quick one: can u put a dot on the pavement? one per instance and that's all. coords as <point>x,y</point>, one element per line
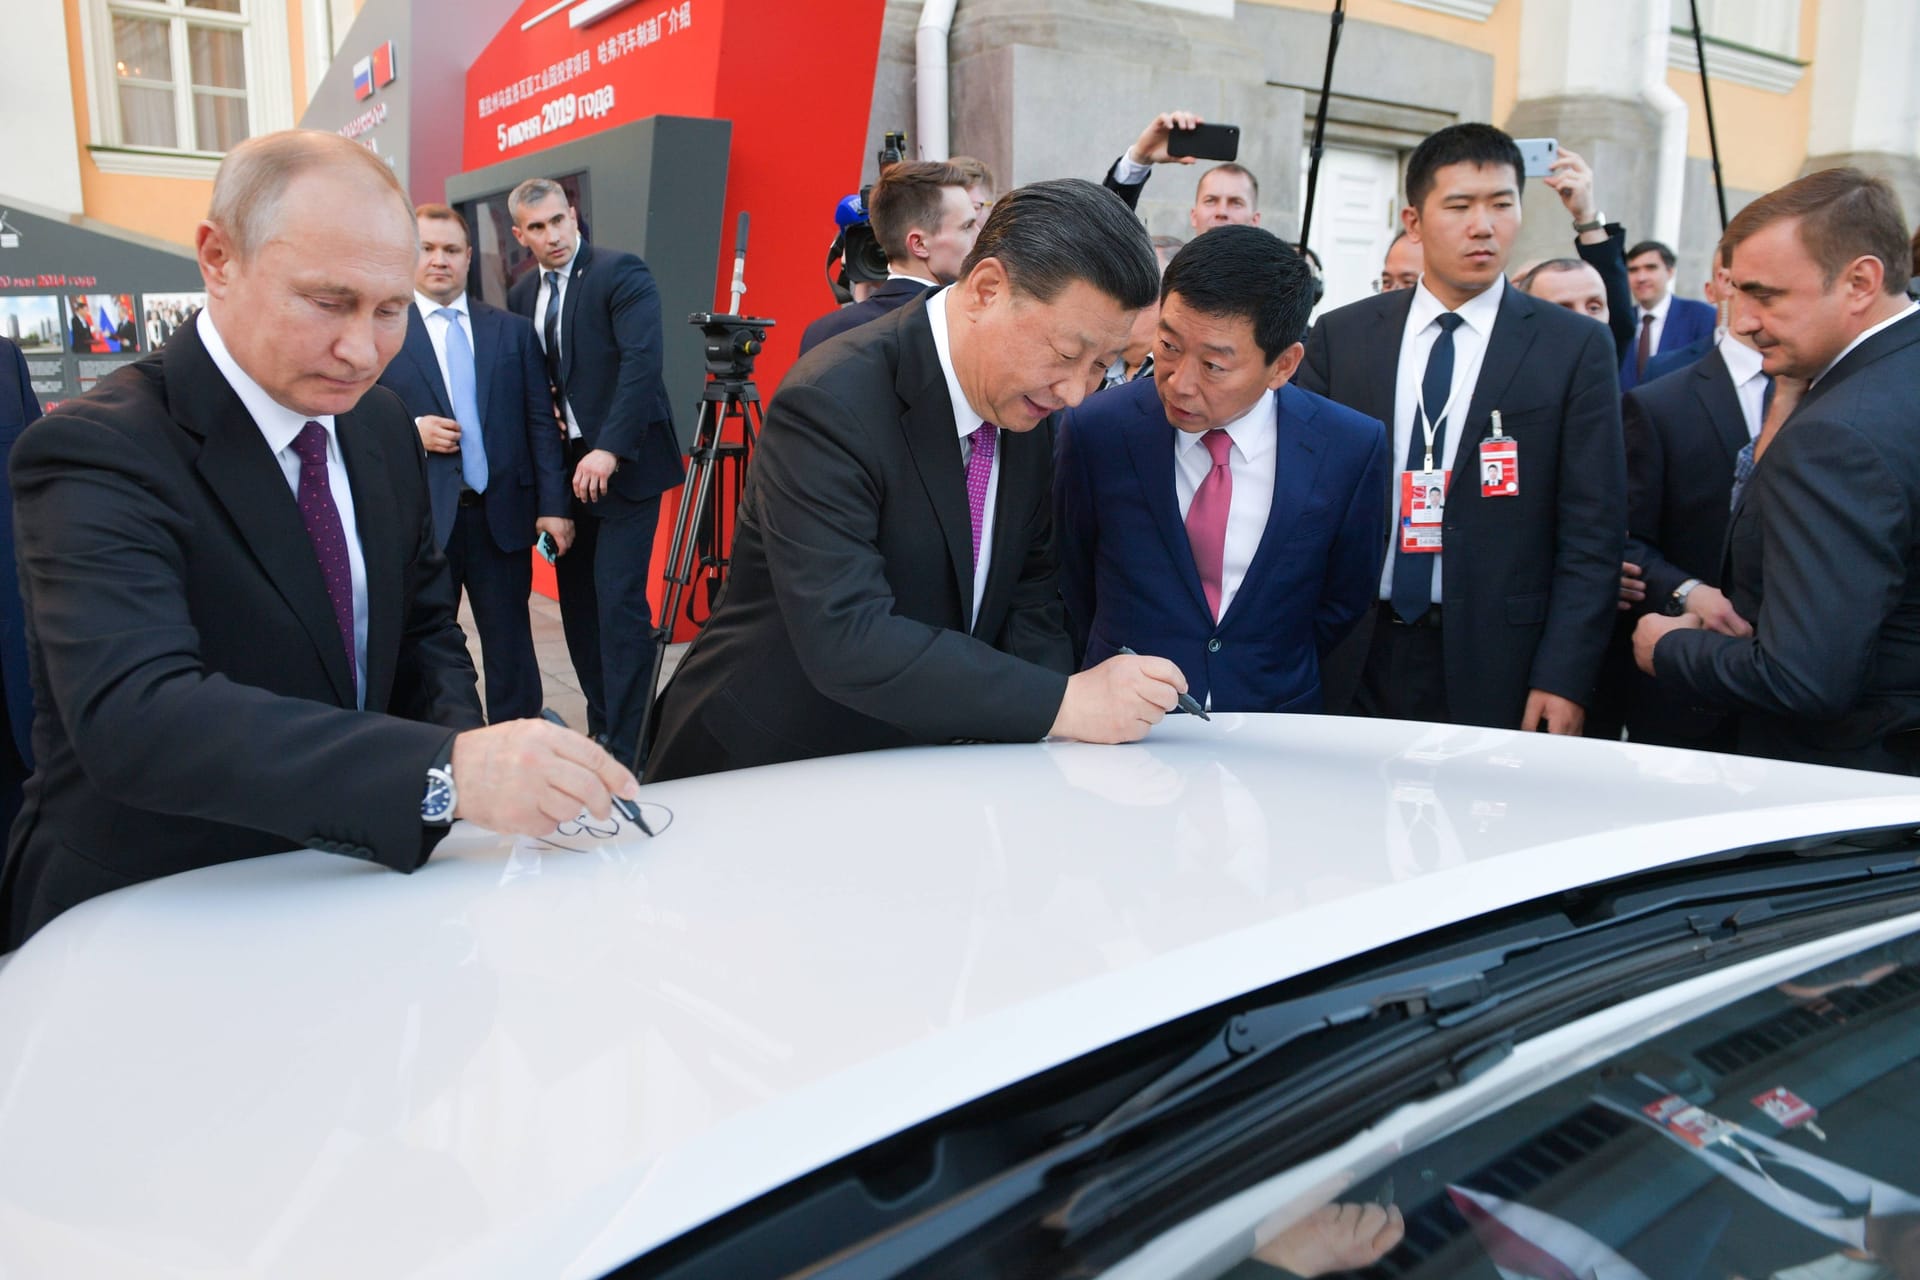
<point>558,684</point>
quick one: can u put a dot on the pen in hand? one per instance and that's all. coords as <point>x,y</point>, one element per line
<point>1188,703</point>
<point>628,809</point>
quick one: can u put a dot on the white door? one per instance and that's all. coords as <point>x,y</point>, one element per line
<point>1354,219</point>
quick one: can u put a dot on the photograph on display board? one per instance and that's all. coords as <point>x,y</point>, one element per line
<point>32,321</point>
<point>102,324</point>
<point>162,313</point>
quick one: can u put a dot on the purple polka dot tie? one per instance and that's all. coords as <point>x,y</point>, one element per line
<point>979,471</point>
<point>329,539</point>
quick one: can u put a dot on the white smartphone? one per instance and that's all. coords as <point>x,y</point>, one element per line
<point>1537,156</point>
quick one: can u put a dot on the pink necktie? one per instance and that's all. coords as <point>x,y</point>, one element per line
<point>1207,517</point>
<point>979,471</point>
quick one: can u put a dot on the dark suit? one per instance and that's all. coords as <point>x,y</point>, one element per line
<point>1609,259</point>
<point>844,624</point>
<point>1820,557</point>
<point>193,702</point>
<point>610,372</point>
<point>1667,362</point>
<point>890,296</point>
<point>1529,581</point>
<point>1684,432</point>
<point>486,536</point>
<point>1127,191</point>
<point>18,408</point>
<point>1127,570</point>
<point>1688,321</point>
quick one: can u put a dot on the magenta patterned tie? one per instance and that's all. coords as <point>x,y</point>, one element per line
<point>329,539</point>
<point>979,471</point>
<point>1207,517</point>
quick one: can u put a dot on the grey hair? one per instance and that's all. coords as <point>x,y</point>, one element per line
<point>1049,234</point>
<point>533,191</point>
<point>254,177</point>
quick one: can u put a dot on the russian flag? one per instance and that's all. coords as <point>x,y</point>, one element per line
<point>383,65</point>
<point>363,78</point>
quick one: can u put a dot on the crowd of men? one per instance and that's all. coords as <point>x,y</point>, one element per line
<point>1052,476</point>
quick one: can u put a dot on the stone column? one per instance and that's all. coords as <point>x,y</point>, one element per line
<point>1866,104</point>
<point>43,168</point>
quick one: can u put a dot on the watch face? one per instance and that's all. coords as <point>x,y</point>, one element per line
<point>437,804</point>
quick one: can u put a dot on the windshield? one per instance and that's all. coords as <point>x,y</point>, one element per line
<point>1776,1137</point>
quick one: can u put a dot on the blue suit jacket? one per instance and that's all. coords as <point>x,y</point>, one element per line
<point>18,408</point>
<point>526,462</point>
<point>1688,321</point>
<point>1127,572</point>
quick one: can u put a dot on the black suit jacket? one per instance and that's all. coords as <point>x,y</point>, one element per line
<point>19,408</point>
<point>1684,432</point>
<point>1530,581</point>
<point>890,296</point>
<point>611,365</point>
<point>1820,557</point>
<point>192,701</point>
<point>527,475</point>
<point>844,624</point>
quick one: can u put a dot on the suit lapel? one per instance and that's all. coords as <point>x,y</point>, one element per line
<point>1507,346</point>
<point>247,480</point>
<point>933,439</point>
<point>1296,469</point>
<point>1885,342</point>
<point>418,347</point>
<point>1713,385</point>
<point>375,516</point>
<point>576,276</point>
<point>1150,443</point>
<point>486,349</point>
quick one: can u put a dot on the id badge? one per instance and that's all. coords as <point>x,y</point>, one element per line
<point>1423,509</point>
<point>1499,467</point>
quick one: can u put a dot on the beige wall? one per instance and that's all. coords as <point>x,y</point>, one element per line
<point>1763,135</point>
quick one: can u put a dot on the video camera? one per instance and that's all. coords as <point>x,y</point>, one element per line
<point>855,248</point>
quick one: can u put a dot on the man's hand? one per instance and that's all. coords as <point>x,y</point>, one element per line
<point>1119,700</point>
<point>1151,146</point>
<point>591,476</point>
<point>439,435</point>
<point>1647,632</point>
<point>1572,181</point>
<point>526,777</point>
<point>1633,585</point>
<point>1716,612</point>
<point>561,529</point>
<point>1786,395</point>
<point>1554,713</point>
<point>1335,1237</point>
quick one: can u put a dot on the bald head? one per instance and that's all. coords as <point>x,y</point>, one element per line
<point>250,190</point>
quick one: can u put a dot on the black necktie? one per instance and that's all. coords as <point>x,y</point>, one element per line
<point>1412,592</point>
<point>552,326</point>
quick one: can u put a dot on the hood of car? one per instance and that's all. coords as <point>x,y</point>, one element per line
<point>546,1057</point>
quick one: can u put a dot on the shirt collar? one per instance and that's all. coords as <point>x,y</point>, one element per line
<point>428,306</point>
<point>1888,323</point>
<point>1659,309</point>
<point>1252,432</point>
<point>277,423</point>
<point>901,275</point>
<point>1478,312</point>
<point>964,418</point>
<point>1743,362</point>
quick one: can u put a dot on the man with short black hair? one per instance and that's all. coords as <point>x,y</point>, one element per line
<point>1495,610</point>
<point>1182,503</point>
<point>1823,539</point>
<point>923,219</point>
<point>1662,321</point>
<point>893,579</point>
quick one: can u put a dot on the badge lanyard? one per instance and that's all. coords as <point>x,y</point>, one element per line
<point>1428,425</point>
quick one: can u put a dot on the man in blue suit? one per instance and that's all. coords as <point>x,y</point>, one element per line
<point>1661,321</point>
<point>474,379</point>
<point>19,407</point>
<point>1213,514</point>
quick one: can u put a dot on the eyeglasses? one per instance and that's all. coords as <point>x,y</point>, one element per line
<point>1387,284</point>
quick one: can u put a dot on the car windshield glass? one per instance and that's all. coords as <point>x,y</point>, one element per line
<point>1778,1136</point>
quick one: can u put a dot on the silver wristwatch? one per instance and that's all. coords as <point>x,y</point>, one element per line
<point>1677,602</point>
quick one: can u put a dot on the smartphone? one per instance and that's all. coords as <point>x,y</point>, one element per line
<point>1206,142</point>
<point>549,549</point>
<point>1537,156</point>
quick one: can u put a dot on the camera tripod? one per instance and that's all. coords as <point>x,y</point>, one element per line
<point>710,498</point>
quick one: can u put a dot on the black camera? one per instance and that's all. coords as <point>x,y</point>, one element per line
<point>731,343</point>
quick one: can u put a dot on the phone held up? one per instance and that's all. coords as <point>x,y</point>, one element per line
<point>1205,142</point>
<point>1537,156</point>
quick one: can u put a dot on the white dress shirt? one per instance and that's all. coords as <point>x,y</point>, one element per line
<point>1469,350</point>
<point>967,422</point>
<point>1659,314</point>
<point>1251,462</point>
<point>437,332</point>
<point>1888,323</point>
<point>565,269</point>
<point>280,425</point>
<point>1749,381</point>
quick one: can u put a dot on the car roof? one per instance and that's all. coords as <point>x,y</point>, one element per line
<point>550,1059</point>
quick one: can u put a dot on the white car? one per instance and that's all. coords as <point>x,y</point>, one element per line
<point>1254,993</point>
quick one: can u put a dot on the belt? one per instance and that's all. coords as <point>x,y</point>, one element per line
<point>471,497</point>
<point>1431,618</point>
